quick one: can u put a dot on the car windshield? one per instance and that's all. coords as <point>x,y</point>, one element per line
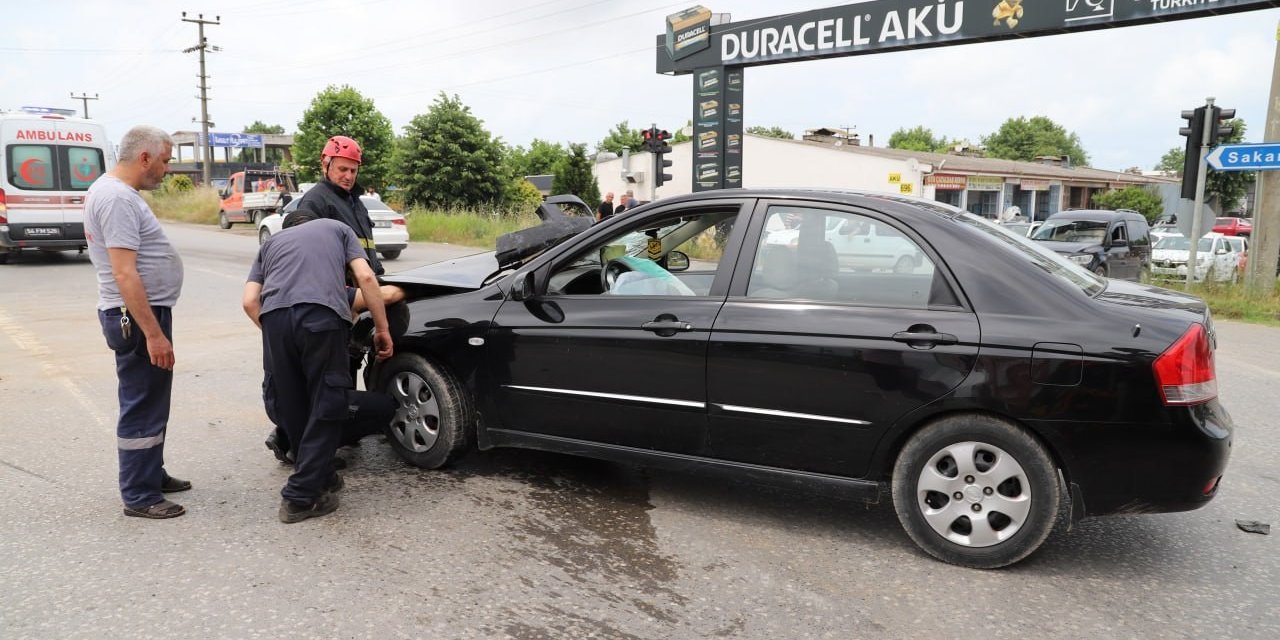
<point>1039,256</point>
<point>1072,231</point>
<point>1181,243</point>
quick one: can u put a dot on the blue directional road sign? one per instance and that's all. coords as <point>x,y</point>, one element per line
<point>235,140</point>
<point>1245,157</point>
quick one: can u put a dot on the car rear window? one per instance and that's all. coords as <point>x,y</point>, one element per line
<point>1039,256</point>
<point>31,167</point>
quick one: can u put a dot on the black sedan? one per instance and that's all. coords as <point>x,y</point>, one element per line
<point>997,389</point>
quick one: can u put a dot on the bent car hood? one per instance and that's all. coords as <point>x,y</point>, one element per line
<point>1070,247</point>
<point>466,273</point>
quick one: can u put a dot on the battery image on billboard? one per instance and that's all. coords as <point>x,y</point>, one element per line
<point>708,171</point>
<point>707,140</point>
<point>708,109</point>
<point>733,172</point>
<point>733,142</point>
<point>688,31</point>
<point>734,109</point>
<point>709,80</point>
<point>735,82</point>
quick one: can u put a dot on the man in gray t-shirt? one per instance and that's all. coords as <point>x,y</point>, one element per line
<point>139,279</point>
<point>296,293</point>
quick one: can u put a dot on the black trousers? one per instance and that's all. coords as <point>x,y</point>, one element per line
<point>368,413</point>
<point>304,349</point>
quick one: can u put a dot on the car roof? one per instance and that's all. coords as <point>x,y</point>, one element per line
<point>1098,215</point>
<point>856,197</point>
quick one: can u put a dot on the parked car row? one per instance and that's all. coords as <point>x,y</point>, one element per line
<point>1218,257</point>
<point>997,389</point>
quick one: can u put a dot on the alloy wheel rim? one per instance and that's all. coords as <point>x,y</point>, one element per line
<point>974,494</point>
<point>416,424</point>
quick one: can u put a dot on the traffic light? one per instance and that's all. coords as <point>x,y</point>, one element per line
<point>1221,130</point>
<point>1194,131</point>
<point>655,142</point>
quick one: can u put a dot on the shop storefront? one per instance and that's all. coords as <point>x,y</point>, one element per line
<point>947,187</point>
<point>983,195</point>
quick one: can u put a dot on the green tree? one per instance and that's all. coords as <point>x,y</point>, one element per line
<point>621,137</point>
<point>539,159</point>
<point>573,175</point>
<point>1230,186</point>
<point>917,138</point>
<point>1172,161</point>
<point>1026,139</point>
<point>272,155</point>
<point>1140,199</point>
<point>771,132</point>
<point>343,111</point>
<point>679,135</point>
<point>447,159</point>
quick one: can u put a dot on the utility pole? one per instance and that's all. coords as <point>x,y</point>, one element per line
<point>1202,170</point>
<point>85,98</point>
<point>1265,249</point>
<point>201,45</point>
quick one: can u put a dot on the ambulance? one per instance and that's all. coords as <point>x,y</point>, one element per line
<point>48,159</point>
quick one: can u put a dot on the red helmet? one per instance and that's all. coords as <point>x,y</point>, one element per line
<point>342,147</point>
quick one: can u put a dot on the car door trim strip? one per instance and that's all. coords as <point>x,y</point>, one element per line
<point>789,414</point>
<point>612,396</point>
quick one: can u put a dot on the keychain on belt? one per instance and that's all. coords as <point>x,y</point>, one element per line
<point>126,325</point>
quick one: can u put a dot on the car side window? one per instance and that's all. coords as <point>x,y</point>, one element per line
<point>1117,233</point>
<point>1138,232</point>
<point>838,256</point>
<point>674,255</point>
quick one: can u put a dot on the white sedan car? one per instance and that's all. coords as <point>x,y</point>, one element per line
<point>1216,255</point>
<point>390,232</point>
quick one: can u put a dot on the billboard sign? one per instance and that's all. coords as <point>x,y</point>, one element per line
<point>236,140</point>
<point>881,26</point>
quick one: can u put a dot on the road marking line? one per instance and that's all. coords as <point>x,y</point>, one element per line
<point>30,343</point>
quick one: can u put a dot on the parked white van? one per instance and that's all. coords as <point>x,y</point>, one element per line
<point>48,159</point>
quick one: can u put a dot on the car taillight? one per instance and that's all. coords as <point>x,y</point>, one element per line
<point>4,209</point>
<point>1185,370</point>
<point>399,221</point>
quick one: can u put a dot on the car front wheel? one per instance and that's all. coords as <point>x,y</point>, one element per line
<point>223,222</point>
<point>264,234</point>
<point>977,491</point>
<point>432,418</point>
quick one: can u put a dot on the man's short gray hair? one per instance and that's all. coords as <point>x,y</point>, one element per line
<point>143,138</point>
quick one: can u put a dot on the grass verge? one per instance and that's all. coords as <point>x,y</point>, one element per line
<point>1233,301</point>
<point>199,206</point>
<point>465,227</point>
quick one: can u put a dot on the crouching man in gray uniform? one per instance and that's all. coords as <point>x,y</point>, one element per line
<point>296,293</point>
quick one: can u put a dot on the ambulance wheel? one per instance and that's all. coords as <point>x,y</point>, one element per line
<point>4,256</point>
<point>432,421</point>
<point>223,222</point>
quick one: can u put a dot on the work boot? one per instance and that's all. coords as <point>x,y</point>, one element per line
<point>292,512</point>
<point>273,443</point>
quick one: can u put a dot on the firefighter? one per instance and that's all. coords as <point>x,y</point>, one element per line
<point>338,196</point>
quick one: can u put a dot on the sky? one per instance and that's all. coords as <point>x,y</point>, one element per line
<point>569,70</point>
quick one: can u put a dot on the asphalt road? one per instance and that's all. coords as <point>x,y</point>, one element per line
<point>514,544</point>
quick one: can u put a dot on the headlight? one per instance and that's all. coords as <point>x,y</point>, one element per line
<point>1082,259</point>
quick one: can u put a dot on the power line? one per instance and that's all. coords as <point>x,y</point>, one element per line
<point>85,98</point>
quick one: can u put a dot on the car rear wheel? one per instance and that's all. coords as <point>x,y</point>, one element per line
<point>223,222</point>
<point>431,425</point>
<point>977,491</point>
<point>391,255</point>
<point>264,234</point>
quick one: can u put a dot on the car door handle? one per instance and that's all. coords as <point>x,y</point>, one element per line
<point>666,326</point>
<point>924,338</point>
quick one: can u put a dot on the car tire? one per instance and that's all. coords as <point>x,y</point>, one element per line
<point>255,217</point>
<point>432,423</point>
<point>905,264</point>
<point>1100,271</point>
<point>1000,471</point>
<point>4,256</point>
<point>264,234</point>
<point>391,255</point>
<point>223,222</point>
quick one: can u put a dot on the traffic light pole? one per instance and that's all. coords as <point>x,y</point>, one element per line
<point>1264,249</point>
<point>1197,213</point>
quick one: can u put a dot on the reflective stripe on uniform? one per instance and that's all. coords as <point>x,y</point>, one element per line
<point>367,243</point>
<point>134,444</point>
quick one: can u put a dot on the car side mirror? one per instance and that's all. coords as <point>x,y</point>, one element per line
<point>677,261</point>
<point>524,286</point>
